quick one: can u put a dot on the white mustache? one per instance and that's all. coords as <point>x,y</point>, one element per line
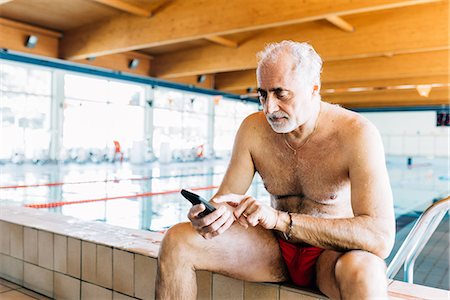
<point>277,115</point>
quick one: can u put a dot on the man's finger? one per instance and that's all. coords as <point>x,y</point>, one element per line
<point>242,207</point>
<point>195,210</point>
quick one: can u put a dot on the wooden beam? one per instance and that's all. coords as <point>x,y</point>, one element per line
<point>30,28</point>
<point>340,23</point>
<point>194,19</point>
<point>368,41</point>
<point>14,34</point>
<point>208,83</point>
<point>126,7</point>
<point>396,69</point>
<point>390,98</point>
<point>222,41</point>
<point>120,62</point>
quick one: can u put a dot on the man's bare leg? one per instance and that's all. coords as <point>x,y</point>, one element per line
<point>249,254</point>
<point>352,275</point>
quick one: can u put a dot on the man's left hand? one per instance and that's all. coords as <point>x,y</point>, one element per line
<point>249,211</point>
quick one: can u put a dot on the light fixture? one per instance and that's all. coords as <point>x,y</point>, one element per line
<point>424,89</point>
<point>250,90</point>
<point>134,63</point>
<point>201,78</point>
<point>31,41</point>
<point>90,58</point>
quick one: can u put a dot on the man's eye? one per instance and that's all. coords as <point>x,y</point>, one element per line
<point>282,95</point>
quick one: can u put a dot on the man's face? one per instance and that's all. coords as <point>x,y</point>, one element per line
<point>285,97</point>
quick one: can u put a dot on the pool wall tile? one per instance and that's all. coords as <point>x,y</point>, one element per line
<point>38,279</point>
<point>30,242</point>
<point>257,291</point>
<point>11,268</point>
<point>91,291</point>
<point>204,285</point>
<point>104,266</point>
<point>66,287</point>
<point>88,261</point>
<point>74,257</point>
<point>60,253</point>
<point>4,237</point>
<point>45,249</point>
<point>16,241</point>
<point>144,276</point>
<point>123,272</point>
<point>227,288</point>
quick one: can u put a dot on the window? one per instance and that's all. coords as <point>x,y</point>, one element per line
<point>25,112</point>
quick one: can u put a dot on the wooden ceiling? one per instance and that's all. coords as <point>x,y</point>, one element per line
<point>375,52</point>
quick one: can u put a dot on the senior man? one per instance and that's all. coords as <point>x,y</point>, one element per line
<point>331,219</point>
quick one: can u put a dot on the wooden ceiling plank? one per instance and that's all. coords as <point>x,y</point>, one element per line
<point>329,43</point>
<point>195,19</point>
<point>31,28</point>
<point>340,23</point>
<point>126,7</point>
<point>390,98</point>
<point>405,68</point>
<point>222,41</point>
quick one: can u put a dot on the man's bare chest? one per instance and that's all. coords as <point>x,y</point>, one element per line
<point>318,174</point>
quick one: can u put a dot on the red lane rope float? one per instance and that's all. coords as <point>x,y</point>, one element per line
<point>62,203</point>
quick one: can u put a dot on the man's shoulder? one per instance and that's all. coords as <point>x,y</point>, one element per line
<point>254,121</point>
<point>352,125</point>
<point>353,121</point>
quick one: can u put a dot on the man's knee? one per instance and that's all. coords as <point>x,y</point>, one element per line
<point>176,241</point>
<point>359,266</point>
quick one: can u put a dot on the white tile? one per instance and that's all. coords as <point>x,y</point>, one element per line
<point>204,285</point>
<point>123,272</point>
<point>60,253</point>
<point>66,287</point>
<point>257,291</point>
<point>11,268</point>
<point>118,296</point>
<point>88,261</point>
<point>104,266</point>
<point>45,249</point>
<point>93,292</point>
<point>74,257</point>
<point>144,276</point>
<point>227,288</point>
<point>4,237</point>
<point>16,241</point>
<point>30,240</point>
<point>38,279</point>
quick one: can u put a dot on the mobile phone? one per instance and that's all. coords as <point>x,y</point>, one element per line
<point>196,199</point>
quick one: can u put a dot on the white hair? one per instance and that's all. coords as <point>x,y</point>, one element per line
<point>308,63</point>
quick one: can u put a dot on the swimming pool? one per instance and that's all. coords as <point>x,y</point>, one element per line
<point>146,196</point>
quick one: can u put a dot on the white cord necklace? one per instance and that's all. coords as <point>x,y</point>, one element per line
<point>307,139</point>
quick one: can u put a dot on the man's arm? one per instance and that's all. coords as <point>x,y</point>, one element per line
<point>373,226</point>
<point>237,180</point>
<point>241,169</point>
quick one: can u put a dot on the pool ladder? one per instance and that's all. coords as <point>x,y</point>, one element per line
<point>417,238</point>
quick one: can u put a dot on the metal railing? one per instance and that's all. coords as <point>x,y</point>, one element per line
<point>417,238</point>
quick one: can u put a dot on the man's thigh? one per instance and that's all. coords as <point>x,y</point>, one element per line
<point>251,254</point>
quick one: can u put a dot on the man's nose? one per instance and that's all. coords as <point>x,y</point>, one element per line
<point>271,104</point>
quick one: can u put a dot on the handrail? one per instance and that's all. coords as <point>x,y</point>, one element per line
<point>417,238</point>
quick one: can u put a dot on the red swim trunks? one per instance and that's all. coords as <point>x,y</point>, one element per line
<point>301,262</point>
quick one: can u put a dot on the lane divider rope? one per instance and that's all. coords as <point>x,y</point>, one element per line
<point>104,181</point>
<point>62,203</point>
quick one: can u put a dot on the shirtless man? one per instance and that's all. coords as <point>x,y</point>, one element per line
<point>331,219</point>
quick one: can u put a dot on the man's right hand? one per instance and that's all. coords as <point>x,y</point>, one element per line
<point>212,224</point>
